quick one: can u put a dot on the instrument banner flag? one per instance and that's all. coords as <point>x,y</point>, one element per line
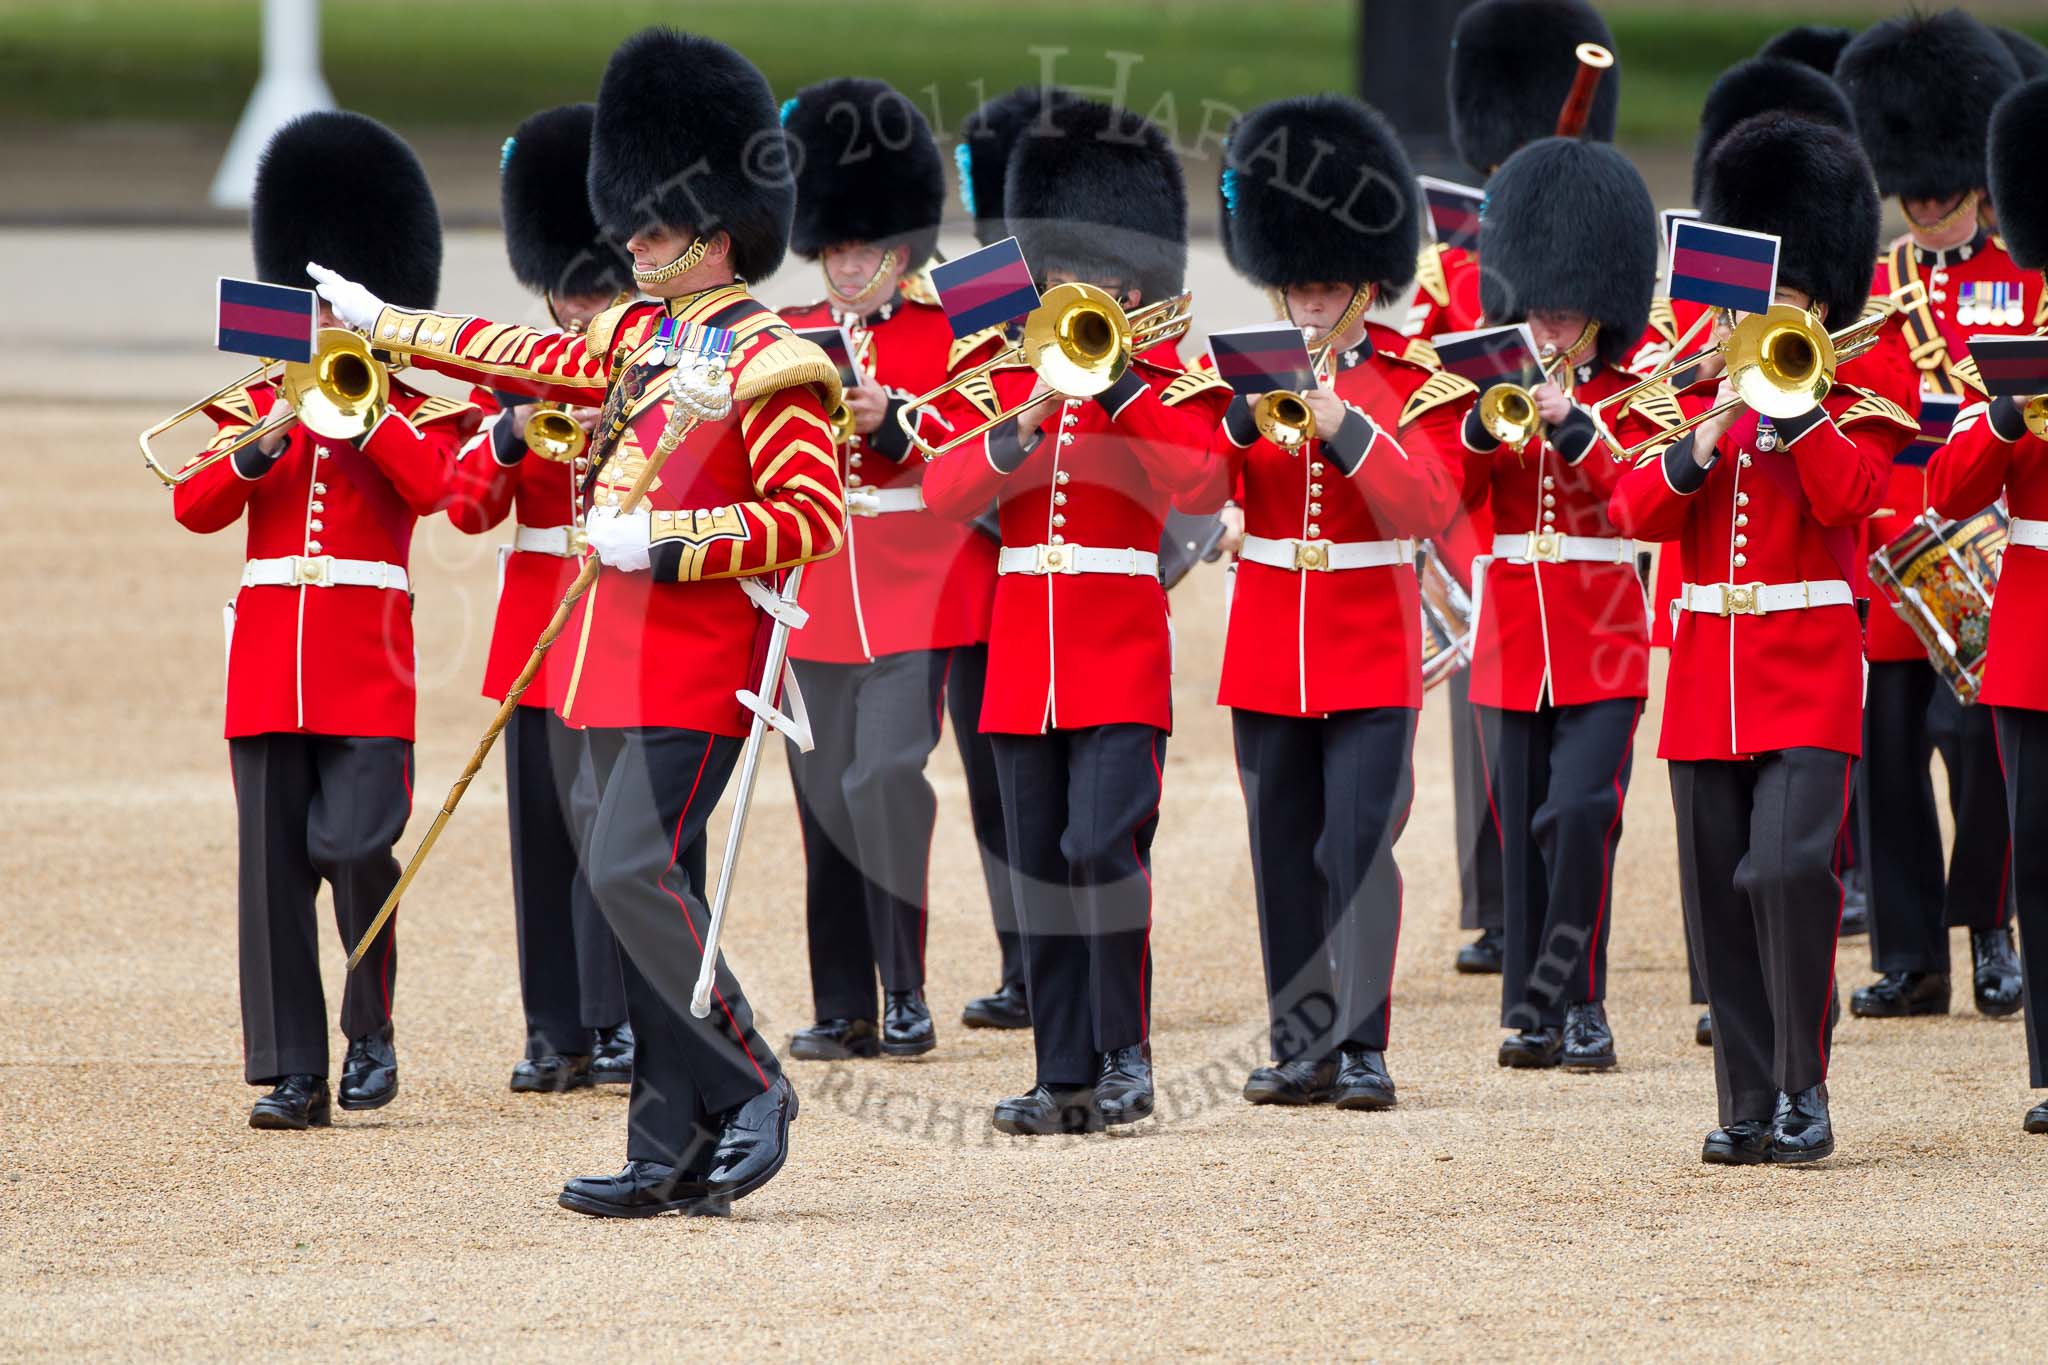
<point>1937,415</point>
<point>2011,367</point>
<point>834,343</point>
<point>1724,267</point>
<point>1492,355</point>
<point>986,288</point>
<point>268,321</point>
<point>1267,357</point>
<point>1671,218</point>
<point>1453,211</point>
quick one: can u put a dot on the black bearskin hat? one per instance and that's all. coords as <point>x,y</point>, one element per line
<point>687,137</point>
<point>1512,64</point>
<point>1317,188</point>
<point>2028,55</point>
<point>1568,226</point>
<point>1922,87</point>
<point>867,169</point>
<point>1816,45</point>
<point>550,236</point>
<point>1098,191</point>
<point>983,153</point>
<point>1828,227</point>
<point>2018,128</point>
<point>1758,86</point>
<point>345,191</point>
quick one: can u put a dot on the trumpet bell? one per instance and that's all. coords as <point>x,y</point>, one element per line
<point>1508,412</point>
<point>553,434</point>
<point>342,391</point>
<point>1781,362</point>
<point>842,424</point>
<point>1284,419</point>
<point>1078,340</point>
<point>2035,414</point>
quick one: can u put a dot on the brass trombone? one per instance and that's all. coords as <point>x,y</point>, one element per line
<point>340,394</point>
<point>1080,342</point>
<point>553,434</point>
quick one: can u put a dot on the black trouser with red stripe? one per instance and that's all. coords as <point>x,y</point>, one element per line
<point>656,791</point>
<point>2023,751</point>
<point>1326,799</point>
<point>1081,807</point>
<point>1757,841</point>
<point>313,808</point>
<point>569,978</point>
<point>1560,778</point>
<point>1909,713</point>
<point>1477,826</point>
<point>965,684</point>
<point>867,811</point>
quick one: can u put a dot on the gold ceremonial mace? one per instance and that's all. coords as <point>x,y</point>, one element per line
<point>584,578</point>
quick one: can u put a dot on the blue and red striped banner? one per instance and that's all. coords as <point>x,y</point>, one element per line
<point>1491,355</point>
<point>832,341</point>
<point>1723,267</point>
<point>986,288</point>
<point>1263,358</point>
<point>2011,367</point>
<point>1453,211</point>
<point>1937,416</point>
<point>269,321</point>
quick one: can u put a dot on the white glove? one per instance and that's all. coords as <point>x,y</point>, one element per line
<point>352,303</point>
<point>621,542</point>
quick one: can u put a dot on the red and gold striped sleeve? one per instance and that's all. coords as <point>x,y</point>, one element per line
<point>558,366</point>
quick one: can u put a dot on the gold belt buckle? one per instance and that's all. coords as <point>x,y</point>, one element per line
<point>1547,546</point>
<point>1054,559</point>
<point>1312,556</point>
<point>313,571</point>
<point>1741,600</point>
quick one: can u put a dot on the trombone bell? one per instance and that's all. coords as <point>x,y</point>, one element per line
<point>1782,362</point>
<point>1078,340</point>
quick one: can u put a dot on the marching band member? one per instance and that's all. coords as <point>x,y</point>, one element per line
<point>1993,451</point>
<point>1561,656</point>
<point>1080,654</point>
<point>910,589</point>
<point>666,636</point>
<point>1322,663</point>
<point>1763,713</point>
<point>569,978</point>
<point>1511,70</point>
<point>320,692</point>
<point>1922,88</point>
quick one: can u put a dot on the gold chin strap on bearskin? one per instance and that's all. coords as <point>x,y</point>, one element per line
<point>681,265</point>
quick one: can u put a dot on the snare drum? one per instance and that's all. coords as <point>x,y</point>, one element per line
<point>1940,576</point>
<point>1446,619</point>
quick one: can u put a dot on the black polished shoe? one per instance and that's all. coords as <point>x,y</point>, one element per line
<point>1007,1008</point>
<point>1362,1080</point>
<point>551,1075</point>
<point>369,1075</point>
<point>2036,1120</point>
<point>1123,1085</point>
<point>1896,995</point>
<point>1301,1081</point>
<point>297,1103</point>
<point>1532,1047</point>
<point>1747,1143</point>
<point>1045,1112</point>
<point>1855,904</point>
<point>612,1061</point>
<point>1588,1042</point>
<point>753,1141</point>
<point>1801,1130</point>
<point>1996,977</point>
<point>642,1190</point>
<point>836,1040</point>
<point>1703,1031</point>
<point>907,1025</point>
<point>1481,957</point>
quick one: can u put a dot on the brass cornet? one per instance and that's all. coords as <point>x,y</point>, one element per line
<point>340,393</point>
<point>1079,341</point>
<point>553,434</point>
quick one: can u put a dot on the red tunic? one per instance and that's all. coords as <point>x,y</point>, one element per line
<point>757,491</point>
<point>532,583</point>
<point>333,660</point>
<point>1566,633</point>
<point>1068,651</point>
<point>1744,685</point>
<point>910,579</point>
<point>1309,643</point>
<point>1446,292</point>
<point>1967,475</point>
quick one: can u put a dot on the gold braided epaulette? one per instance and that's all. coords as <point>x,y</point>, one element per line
<point>435,408</point>
<point>1429,274</point>
<point>1659,404</point>
<point>966,346</point>
<point>1664,319</point>
<point>1420,351</point>
<point>1440,388</point>
<point>918,288</point>
<point>1964,372</point>
<point>1872,407</point>
<point>783,362</point>
<point>981,391</point>
<point>1184,386</point>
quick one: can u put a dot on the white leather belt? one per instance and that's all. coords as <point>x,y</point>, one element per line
<point>1761,599</point>
<point>323,571</point>
<point>1552,548</point>
<point>1044,559</point>
<point>874,502</point>
<point>1322,555</point>
<point>2028,532</point>
<point>563,542</point>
